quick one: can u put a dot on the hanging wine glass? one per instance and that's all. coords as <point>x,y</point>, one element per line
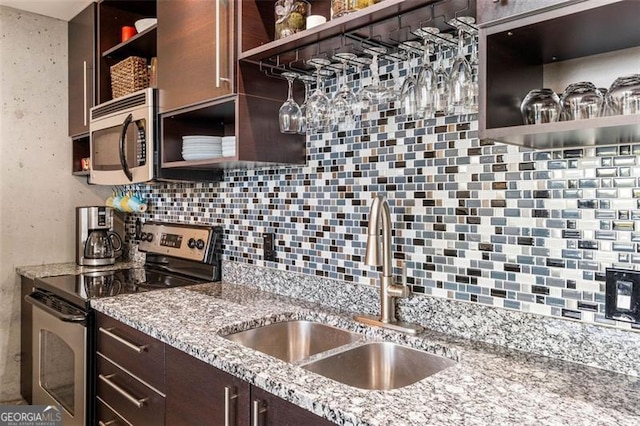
<point>318,102</point>
<point>342,115</point>
<point>394,90</point>
<point>290,117</point>
<point>375,93</point>
<point>408,94</point>
<point>460,96</point>
<point>426,84</point>
<point>359,62</point>
<point>444,41</point>
<point>466,23</point>
<point>307,80</point>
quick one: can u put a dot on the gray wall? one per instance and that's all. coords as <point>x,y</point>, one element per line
<point>37,190</point>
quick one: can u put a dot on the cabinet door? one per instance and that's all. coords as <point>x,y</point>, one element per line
<point>195,51</point>
<point>270,410</point>
<point>137,352</point>
<point>128,396</point>
<point>82,50</point>
<point>199,394</point>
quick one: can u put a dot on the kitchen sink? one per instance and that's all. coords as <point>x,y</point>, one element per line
<point>293,341</point>
<point>379,366</point>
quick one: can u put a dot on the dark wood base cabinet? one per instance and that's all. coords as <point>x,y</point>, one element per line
<point>181,391</point>
<point>199,394</point>
<point>269,410</point>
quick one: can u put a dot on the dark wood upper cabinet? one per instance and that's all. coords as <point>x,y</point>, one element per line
<point>82,71</point>
<point>203,90</point>
<point>196,51</point>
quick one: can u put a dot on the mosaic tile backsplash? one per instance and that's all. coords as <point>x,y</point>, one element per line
<point>475,221</point>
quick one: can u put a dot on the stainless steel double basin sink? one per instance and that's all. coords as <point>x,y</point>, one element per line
<point>370,365</point>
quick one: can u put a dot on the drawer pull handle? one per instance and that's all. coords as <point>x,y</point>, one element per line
<point>132,399</point>
<point>229,398</point>
<point>109,423</point>
<point>258,413</point>
<point>136,348</point>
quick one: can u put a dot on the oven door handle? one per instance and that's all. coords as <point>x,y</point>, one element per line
<point>123,154</point>
<point>77,318</point>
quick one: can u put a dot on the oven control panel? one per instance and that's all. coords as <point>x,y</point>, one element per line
<point>184,241</point>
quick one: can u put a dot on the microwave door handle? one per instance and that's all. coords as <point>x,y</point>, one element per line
<point>123,155</point>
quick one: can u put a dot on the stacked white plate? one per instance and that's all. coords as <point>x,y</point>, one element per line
<point>228,146</point>
<point>201,147</point>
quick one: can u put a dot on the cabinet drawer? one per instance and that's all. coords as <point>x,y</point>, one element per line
<point>136,352</point>
<point>132,399</point>
<point>105,416</point>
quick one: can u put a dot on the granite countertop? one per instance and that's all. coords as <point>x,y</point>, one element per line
<point>70,268</point>
<point>488,385</point>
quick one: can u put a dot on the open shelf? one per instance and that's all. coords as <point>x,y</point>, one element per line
<point>215,119</point>
<point>595,131</point>
<point>138,45</point>
<point>516,55</point>
<point>80,148</point>
<point>386,22</point>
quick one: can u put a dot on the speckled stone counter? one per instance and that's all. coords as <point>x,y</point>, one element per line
<point>489,385</point>
<point>56,269</point>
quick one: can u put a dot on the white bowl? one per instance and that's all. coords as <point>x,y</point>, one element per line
<point>143,24</point>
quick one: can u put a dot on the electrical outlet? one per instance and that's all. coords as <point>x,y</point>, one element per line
<point>268,247</point>
<point>622,300</point>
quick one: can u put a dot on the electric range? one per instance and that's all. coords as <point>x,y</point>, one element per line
<point>63,334</point>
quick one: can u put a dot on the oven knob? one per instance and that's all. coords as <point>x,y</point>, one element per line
<point>143,236</point>
<point>192,243</point>
<point>149,237</point>
<point>200,244</point>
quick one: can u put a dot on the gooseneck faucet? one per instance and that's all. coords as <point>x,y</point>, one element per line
<point>379,254</point>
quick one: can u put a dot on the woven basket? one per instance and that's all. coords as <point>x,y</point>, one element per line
<point>128,76</point>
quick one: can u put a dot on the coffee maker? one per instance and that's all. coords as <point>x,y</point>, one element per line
<point>97,243</point>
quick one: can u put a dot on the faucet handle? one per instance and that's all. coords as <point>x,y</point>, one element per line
<point>403,277</point>
<point>405,291</point>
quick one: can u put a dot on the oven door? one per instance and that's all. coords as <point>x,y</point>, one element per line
<point>59,356</point>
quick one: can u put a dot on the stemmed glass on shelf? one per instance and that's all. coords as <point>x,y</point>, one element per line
<point>289,116</point>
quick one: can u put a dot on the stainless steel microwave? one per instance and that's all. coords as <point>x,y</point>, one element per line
<point>125,147</point>
<point>122,139</point>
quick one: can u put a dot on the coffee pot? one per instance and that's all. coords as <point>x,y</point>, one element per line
<point>102,244</point>
<point>96,242</point>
